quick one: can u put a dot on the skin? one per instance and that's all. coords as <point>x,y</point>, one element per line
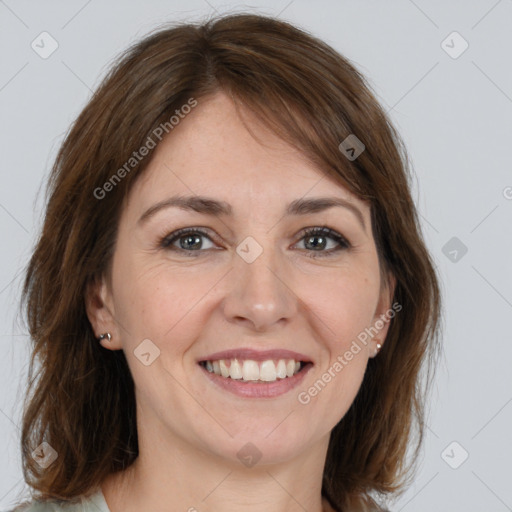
<point>189,429</point>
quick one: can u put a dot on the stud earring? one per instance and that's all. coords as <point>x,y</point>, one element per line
<point>106,336</point>
<point>377,350</point>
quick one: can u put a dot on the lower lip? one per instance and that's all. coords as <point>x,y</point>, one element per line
<point>258,389</point>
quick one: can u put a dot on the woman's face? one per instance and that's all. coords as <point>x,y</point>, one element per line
<point>251,283</point>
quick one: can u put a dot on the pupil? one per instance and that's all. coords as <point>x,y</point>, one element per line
<point>192,237</point>
<point>197,243</point>
<point>317,244</point>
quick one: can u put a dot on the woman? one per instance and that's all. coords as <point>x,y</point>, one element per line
<point>231,300</point>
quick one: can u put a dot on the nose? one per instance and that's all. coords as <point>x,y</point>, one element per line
<point>261,295</point>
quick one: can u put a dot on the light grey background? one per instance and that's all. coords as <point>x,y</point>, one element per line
<point>455,115</point>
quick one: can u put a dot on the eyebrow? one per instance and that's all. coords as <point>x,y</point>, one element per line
<point>216,208</point>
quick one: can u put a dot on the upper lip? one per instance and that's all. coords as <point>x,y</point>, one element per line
<point>256,355</point>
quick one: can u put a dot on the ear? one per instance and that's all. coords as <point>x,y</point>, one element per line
<point>385,311</point>
<point>99,308</point>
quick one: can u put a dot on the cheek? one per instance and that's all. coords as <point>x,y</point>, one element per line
<point>155,302</point>
<point>343,305</point>
<point>341,309</point>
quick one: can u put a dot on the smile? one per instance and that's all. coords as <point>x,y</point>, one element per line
<point>251,371</point>
<point>255,378</point>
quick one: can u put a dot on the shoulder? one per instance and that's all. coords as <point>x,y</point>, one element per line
<point>49,506</point>
<point>371,507</point>
<point>361,504</point>
<point>91,503</point>
<point>34,506</point>
<point>367,505</point>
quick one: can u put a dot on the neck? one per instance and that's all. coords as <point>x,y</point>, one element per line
<point>170,475</point>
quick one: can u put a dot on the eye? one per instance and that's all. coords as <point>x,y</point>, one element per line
<point>190,240</point>
<point>323,234</point>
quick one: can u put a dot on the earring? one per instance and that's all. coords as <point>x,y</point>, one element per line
<point>105,335</point>
<point>379,346</point>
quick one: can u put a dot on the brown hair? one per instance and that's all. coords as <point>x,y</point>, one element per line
<point>82,401</point>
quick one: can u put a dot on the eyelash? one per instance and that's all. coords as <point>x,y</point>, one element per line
<point>167,241</point>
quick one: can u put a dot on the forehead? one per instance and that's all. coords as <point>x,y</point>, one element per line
<point>212,153</point>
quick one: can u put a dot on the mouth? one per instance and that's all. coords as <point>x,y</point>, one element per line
<point>250,373</point>
<point>249,370</point>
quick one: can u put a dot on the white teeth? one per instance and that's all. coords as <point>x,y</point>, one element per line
<point>281,369</point>
<point>250,370</point>
<point>235,372</point>
<point>290,368</point>
<point>224,370</point>
<point>268,371</point>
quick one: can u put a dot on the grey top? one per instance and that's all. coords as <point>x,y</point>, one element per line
<point>94,503</point>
